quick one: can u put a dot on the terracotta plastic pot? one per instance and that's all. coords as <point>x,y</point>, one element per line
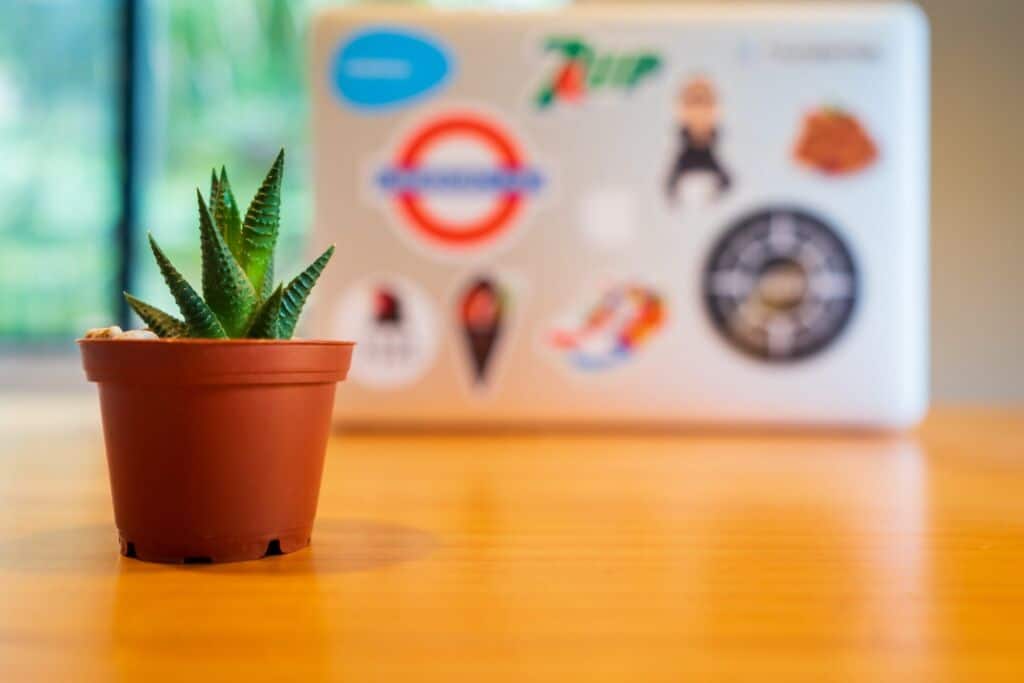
<point>215,448</point>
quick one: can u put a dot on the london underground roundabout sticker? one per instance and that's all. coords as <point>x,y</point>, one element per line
<point>458,181</point>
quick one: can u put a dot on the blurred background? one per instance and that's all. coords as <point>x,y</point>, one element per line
<point>110,111</point>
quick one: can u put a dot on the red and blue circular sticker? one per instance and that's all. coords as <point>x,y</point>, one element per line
<point>458,180</point>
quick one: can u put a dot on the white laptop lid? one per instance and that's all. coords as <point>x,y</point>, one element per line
<point>703,214</point>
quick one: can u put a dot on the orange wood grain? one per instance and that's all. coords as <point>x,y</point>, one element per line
<point>597,557</point>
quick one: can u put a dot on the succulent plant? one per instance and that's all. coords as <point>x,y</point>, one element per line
<point>239,298</point>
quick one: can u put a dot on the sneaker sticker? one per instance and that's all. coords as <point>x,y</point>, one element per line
<point>616,327</point>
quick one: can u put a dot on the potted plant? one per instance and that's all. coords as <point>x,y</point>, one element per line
<point>216,422</point>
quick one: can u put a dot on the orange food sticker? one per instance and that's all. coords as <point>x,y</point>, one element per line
<point>834,142</point>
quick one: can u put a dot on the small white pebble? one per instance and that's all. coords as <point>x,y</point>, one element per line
<point>138,334</point>
<point>104,332</point>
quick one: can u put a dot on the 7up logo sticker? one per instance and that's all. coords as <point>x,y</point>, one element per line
<point>582,69</point>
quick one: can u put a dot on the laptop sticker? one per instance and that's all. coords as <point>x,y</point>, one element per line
<point>394,325</point>
<point>780,285</point>
<point>616,326</point>
<point>697,174</point>
<point>458,181</point>
<point>834,143</point>
<point>482,310</point>
<point>582,68</point>
<point>380,69</point>
<point>607,217</point>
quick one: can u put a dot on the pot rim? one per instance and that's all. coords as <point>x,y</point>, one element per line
<point>183,362</point>
<point>225,342</point>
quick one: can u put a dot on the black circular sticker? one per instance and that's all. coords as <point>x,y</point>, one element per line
<point>780,284</point>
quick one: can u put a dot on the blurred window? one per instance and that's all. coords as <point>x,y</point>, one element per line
<point>59,183</point>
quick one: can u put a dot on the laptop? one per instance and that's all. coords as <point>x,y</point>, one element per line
<point>625,215</point>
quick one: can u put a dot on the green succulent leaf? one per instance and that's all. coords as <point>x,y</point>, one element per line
<point>296,293</point>
<point>213,185</point>
<point>201,320</point>
<point>268,280</point>
<point>265,322</point>
<point>262,221</point>
<point>226,215</point>
<point>163,324</point>
<point>226,288</point>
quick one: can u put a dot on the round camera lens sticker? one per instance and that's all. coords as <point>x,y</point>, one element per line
<point>458,181</point>
<point>394,324</point>
<point>780,285</point>
<point>611,328</point>
<point>833,142</point>
<point>483,319</point>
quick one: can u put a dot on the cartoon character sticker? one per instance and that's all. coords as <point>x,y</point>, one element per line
<point>395,328</point>
<point>697,114</point>
<point>619,325</point>
<point>834,143</point>
<point>482,317</point>
<point>458,181</point>
<point>583,69</point>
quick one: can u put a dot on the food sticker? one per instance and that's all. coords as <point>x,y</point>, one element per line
<point>458,181</point>
<point>834,143</point>
<point>394,325</point>
<point>614,329</point>
<point>780,284</point>
<point>697,175</point>
<point>482,319</point>
<point>582,68</point>
<point>383,68</point>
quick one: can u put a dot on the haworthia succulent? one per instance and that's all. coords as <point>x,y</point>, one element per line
<point>238,270</point>
<point>198,316</point>
<point>265,322</point>
<point>225,286</point>
<point>262,220</point>
<point>296,293</point>
<point>225,213</point>
<point>163,324</point>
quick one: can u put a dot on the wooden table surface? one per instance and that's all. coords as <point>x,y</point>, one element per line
<point>572,557</point>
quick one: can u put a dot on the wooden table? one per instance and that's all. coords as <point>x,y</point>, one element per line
<point>600,557</point>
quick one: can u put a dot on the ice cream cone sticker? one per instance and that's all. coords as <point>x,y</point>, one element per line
<point>482,312</point>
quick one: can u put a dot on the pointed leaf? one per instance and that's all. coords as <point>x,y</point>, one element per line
<point>200,319</point>
<point>226,289</point>
<point>225,213</point>
<point>296,293</point>
<point>264,323</point>
<point>262,220</point>
<point>214,189</point>
<point>163,324</point>
<point>268,280</point>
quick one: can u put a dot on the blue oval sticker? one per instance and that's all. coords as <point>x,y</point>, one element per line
<point>386,67</point>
